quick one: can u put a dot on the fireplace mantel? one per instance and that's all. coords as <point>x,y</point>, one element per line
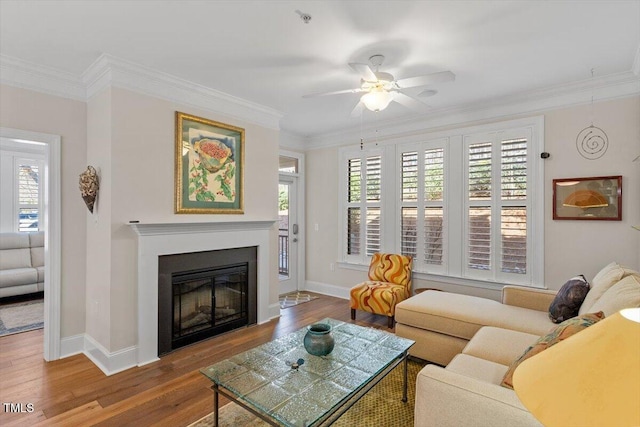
<point>151,229</point>
<point>155,239</point>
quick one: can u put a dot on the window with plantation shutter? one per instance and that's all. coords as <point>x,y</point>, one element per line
<point>433,206</point>
<point>363,214</point>
<point>498,206</point>
<point>513,216</point>
<point>479,234</point>
<point>422,204</point>
<point>465,204</point>
<point>28,196</point>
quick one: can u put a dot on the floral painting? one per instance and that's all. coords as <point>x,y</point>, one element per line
<point>209,166</point>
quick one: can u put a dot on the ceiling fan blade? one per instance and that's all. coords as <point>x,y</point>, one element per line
<point>410,102</point>
<point>358,109</point>
<point>429,79</point>
<point>335,92</point>
<point>364,70</point>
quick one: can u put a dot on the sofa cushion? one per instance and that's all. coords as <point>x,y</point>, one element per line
<point>463,315</point>
<point>499,345</point>
<point>624,294</point>
<point>36,239</point>
<point>40,271</point>
<point>568,300</point>
<point>14,240</point>
<point>607,277</point>
<point>15,258</point>
<point>561,332</point>
<point>37,256</point>
<point>17,277</point>
<point>478,368</point>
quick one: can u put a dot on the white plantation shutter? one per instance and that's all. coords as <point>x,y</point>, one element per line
<point>434,206</point>
<point>513,216</point>
<point>354,181</point>
<point>28,196</point>
<point>422,204</point>
<point>363,214</point>
<point>497,206</point>
<point>373,207</point>
<point>479,206</point>
<point>466,204</point>
<point>409,210</point>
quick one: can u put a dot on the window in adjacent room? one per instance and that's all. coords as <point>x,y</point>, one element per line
<point>29,195</point>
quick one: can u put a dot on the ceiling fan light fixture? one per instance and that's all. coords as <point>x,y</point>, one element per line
<point>377,100</point>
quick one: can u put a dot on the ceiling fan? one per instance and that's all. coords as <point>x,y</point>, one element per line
<point>381,88</point>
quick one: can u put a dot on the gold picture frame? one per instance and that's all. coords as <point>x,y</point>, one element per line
<point>209,166</point>
<point>594,198</point>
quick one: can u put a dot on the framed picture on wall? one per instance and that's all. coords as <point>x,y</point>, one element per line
<point>595,198</point>
<point>209,166</point>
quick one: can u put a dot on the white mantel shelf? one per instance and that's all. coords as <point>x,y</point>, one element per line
<point>154,229</point>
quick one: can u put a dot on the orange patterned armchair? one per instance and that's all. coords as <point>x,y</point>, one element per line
<point>389,283</point>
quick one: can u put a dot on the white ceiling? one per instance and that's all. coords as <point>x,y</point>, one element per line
<point>262,51</point>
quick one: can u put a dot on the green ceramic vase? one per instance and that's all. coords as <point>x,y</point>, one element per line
<point>318,339</point>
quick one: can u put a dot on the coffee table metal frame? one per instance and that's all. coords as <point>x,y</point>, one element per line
<point>330,416</point>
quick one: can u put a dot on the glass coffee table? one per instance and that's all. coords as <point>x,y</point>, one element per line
<point>269,381</point>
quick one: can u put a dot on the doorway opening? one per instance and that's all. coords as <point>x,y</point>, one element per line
<point>49,219</point>
<point>291,250</point>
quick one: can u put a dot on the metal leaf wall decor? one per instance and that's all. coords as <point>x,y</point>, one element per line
<point>89,186</point>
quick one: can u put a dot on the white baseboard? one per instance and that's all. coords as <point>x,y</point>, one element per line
<point>70,346</point>
<point>110,363</point>
<point>274,311</point>
<point>327,289</point>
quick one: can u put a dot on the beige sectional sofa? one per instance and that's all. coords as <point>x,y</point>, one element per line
<point>442,323</point>
<point>21,263</point>
<point>478,339</point>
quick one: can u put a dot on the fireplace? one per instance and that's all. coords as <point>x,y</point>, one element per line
<point>204,294</point>
<point>156,240</point>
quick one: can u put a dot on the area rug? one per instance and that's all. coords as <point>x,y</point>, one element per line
<point>294,298</point>
<point>21,317</point>
<point>380,407</point>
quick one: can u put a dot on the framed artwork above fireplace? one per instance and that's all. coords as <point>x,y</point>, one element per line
<point>209,166</point>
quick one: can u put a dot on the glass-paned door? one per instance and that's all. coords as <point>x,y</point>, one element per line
<point>288,236</point>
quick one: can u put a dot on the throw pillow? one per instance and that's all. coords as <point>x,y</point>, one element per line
<point>568,300</point>
<point>624,294</point>
<point>561,332</point>
<point>606,278</point>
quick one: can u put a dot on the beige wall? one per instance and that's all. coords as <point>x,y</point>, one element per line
<point>141,183</point>
<point>583,247</point>
<point>571,247</point>
<point>37,112</point>
<point>98,243</point>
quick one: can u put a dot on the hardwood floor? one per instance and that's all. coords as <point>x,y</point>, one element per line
<point>171,392</point>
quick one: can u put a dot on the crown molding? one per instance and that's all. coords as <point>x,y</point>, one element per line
<point>609,87</point>
<point>292,140</point>
<point>109,71</point>
<point>27,75</point>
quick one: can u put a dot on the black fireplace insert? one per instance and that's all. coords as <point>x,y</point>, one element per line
<point>204,294</point>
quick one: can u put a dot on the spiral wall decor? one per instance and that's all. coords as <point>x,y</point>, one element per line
<point>592,142</point>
